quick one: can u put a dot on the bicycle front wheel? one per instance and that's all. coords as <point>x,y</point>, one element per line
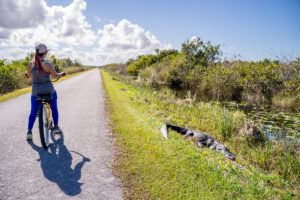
<point>44,125</point>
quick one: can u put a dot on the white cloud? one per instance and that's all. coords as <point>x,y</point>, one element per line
<point>67,33</point>
<point>57,24</point>
<point>193,39</point>
<point>21,13</point>
<point>127,36</point>
<point>98,19</point>
<point>4,34</point>
<point>116,44</point>
<point>231,48</point>
<point>10,53</point>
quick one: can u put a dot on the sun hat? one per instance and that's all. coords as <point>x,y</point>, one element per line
<point>42,48</point>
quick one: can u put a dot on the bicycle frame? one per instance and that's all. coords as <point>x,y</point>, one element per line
<point>45,125</point>
<point>47,105</point>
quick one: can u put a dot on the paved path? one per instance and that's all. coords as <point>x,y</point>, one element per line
<point>79,167</point>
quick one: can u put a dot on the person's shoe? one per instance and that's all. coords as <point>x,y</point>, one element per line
<point>57,130</point>
<point>29,135</point>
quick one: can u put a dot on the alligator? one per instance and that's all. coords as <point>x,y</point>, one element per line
<point>202,139</point>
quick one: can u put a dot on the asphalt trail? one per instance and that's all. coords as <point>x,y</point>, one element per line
<point>77,167</point>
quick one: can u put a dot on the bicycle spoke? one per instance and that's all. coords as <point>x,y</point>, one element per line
<point>46,127</point>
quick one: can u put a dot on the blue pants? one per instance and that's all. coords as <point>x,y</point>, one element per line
<point>35,109</point>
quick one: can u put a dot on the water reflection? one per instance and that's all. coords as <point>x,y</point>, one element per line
<point>277,124</point>
<point>276,136</point>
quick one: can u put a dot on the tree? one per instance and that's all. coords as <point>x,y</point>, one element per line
<point>53,59</point>
<point>77,63</point>
<point>29,57</point>
<point>2,62</point>
<point>68,62</point>
<point>161,54</point>
<point>199,53</point>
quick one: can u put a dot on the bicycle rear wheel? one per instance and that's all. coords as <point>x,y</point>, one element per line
<point>44,125</point>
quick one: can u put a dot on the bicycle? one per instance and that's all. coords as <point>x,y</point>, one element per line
<point>46,124</point>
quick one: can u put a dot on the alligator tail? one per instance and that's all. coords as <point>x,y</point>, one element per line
<point>178,129</point>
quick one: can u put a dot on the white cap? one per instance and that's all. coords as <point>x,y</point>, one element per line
<point>42,48</point>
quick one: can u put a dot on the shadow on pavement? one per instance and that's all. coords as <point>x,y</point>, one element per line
<point>56,165</point>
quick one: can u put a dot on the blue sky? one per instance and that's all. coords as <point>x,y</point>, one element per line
<point>254,29</point>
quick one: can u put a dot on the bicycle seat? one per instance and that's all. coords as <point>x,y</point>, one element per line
<point>44,97</point>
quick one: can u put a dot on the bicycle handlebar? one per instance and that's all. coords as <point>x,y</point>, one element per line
<point>62,74</point>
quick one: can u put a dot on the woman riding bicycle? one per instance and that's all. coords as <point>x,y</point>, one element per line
<point>40,71</point>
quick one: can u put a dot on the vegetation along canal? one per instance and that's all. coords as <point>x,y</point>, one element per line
<point>277,124</point>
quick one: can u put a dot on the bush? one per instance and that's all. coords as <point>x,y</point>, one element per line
<point>12,73</point>
<point>7,80</point>
<point>197,68</point>
<point>116,68</point>
<point>148,60</point>
<point>197,52</point>
<point>143,62</point>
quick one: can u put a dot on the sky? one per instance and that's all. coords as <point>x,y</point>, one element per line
<point>98,32</point>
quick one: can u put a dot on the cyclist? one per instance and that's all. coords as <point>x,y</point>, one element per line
<point>39,70</point>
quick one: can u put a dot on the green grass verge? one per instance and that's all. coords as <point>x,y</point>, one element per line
<point>22,91</point>
<point>152,167</point>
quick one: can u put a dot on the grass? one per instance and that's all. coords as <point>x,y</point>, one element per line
<point>286,101</point>
<point>72,70</point>
<point>226,129</point>
<point>151,167</point>
<point>25,90</point>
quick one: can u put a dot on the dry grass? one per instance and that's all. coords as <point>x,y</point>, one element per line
<point>286,101</point>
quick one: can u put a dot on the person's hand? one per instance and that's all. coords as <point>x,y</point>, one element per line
<point>62,74</point>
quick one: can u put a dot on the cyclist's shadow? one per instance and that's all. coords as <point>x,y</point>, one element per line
<point>56,165</point>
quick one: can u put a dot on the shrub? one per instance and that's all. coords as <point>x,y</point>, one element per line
<point>149,76</point>
<point>148,60</point>
<point>197,68</point>
<point>197,52</point>
<point>12,73</point>
<point>143,62</point>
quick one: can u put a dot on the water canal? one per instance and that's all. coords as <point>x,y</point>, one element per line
<point>276,124</point>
